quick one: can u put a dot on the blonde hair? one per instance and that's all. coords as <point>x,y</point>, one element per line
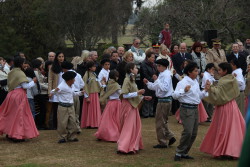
<point>163,47</point>
<point>127,54</point>
<point>41,59</point>
<point>107,51</point>
<point>84,55</point>
<point>78,60</point>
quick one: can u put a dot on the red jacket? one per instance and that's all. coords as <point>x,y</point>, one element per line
<point>166,37</point>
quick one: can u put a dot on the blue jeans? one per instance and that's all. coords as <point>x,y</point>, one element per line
<point>32,107</point>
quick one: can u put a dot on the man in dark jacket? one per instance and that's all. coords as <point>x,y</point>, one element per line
<point>179,58</point>
<point>239,56</point>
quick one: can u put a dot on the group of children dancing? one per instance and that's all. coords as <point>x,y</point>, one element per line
<point>120,120</point>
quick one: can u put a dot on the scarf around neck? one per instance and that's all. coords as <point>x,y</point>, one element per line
<point>138,51</point>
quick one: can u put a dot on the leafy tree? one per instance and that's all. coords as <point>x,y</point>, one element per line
<point>86,22</point>
<point>37,27</point>
<point>191,18</point>
<point>28,27</point>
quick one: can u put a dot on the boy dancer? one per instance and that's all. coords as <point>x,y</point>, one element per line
<point>163,89</point>
<point>66,127</point>
<point>237,72</point>
<point>189,95</point>
<point>77,86</point>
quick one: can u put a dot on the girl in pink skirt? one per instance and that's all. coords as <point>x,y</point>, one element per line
<point>130,140</point>
<point>91,111</point>
<point>110,120</point>
<point>16,120</point>
<point>225,134</point>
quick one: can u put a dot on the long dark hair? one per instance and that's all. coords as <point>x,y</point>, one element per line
<point>29,72</point>
<point>56,67</point>
<point>128,68</point>
<point>89,64</point>
<point>18,62</point>
<point>36,63</point>
<point>113,74</point>
<point>46,68</point>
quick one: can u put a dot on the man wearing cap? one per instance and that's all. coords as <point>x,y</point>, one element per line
<point>204,47</point>
<point>156,47</point>
<point>216,55</point>
<point>165,36</point>
<point>163,89</point>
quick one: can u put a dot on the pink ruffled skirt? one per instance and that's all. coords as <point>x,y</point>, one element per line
<point>226,132</point>
<point>110,122</point>
<point>91,112</point>
<point>16,119</point>
<point>130,139</point>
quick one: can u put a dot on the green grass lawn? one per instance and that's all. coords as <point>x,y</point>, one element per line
<point>122,38</point>
<point>45,152</point>
<point>128,37</point>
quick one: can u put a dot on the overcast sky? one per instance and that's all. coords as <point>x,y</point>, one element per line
<point>150,2</point>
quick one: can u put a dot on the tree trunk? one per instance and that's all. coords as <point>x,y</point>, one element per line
<point>114,35</point>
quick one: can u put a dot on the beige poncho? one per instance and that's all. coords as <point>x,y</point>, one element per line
<point>15,77</point>
<point>225,91</point>
<point>129,87</point>
<point>112,87</point>
<point>91,83</point>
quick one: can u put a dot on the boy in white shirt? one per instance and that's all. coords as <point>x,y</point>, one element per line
<point>77,86</point>
<point>208,75</point>
<point>104,73</point>
<point>66,119</point>
<point>189,95</point>
<point>103,77</point>
<point>237,72</point>
<point>163,90</point>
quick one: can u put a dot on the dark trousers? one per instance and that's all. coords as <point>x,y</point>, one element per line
<point>139,84</point>
<point>3,95</point>
<point>209,109</point>
<point>148,108</point>
<point>52,114</point>
<point>81,105</point>
<point>41,100</point>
